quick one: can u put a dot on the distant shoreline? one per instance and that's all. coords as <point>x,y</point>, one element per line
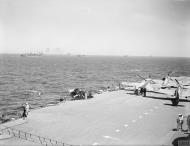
<point>84,55</point>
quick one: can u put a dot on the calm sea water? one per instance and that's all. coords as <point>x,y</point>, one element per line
<point>43,80</point>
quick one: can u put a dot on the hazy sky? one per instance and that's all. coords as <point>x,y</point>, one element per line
<point>96,27</point>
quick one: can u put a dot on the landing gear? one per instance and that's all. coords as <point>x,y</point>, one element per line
<point>175,100</point>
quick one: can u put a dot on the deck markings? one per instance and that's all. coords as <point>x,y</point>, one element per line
<point>140,117</point>
<point>151,110</point>
<point>95,143</point>
<point>108,137</point>
<point>133,121</point>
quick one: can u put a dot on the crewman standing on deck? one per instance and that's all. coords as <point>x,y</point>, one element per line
<point>26,109</point>
<point>180,122</point>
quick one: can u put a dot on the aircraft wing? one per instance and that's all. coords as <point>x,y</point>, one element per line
<point>170,88</point>
<point>157,87</point>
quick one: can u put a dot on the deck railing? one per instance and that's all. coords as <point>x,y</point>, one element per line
<point>31,137</point>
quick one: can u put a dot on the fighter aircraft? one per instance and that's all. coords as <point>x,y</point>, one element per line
<point>170,86</point>
<point>175,90</point>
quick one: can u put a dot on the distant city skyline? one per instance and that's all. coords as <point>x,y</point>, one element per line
<point>96,27</point>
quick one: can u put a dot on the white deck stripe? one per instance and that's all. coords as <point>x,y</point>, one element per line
<point>95,143</point>
<point>106,136</point>
<point>140,117</point>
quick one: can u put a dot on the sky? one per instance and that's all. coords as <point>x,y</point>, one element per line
<point>96,27</point>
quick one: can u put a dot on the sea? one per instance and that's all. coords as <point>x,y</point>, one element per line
<point>43,80</point>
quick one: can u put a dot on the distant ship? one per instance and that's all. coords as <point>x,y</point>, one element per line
<point>31,54</point>
<point>80,55</point>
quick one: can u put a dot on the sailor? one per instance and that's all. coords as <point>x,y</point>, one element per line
<point>119,86</point>
<point>180,122</point>
<point>108,88</point>
<point>24,111</point>
<point>85,94</point>
<point>26,108</point>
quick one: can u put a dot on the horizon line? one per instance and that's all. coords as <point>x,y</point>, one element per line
<point>100,55</point>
